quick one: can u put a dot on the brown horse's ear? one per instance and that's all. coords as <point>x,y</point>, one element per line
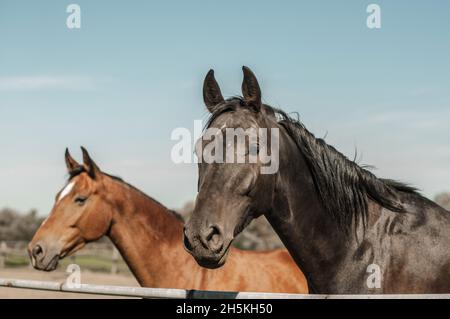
<point>250,89</point>
<point>70,162</point>
<point>211,92</point>
<point>89,164</point>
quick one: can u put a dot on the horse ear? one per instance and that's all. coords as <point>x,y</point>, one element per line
<point>211,92</point>
<point>250,89</point>
<point>89,164</point>
<point>70,162</point>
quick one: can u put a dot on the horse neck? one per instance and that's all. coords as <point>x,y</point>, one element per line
<point>147,235</point>
<point>310,234</point>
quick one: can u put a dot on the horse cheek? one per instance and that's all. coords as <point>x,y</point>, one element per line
<point>95,227</point>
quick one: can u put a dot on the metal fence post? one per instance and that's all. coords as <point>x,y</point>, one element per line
<point>3,251</point>
<point>115,262</point>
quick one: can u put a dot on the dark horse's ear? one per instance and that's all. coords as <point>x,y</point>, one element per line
<point>70,162</point>
<point>251,90</point>
<point>211,92</point>
<point>89,164</point>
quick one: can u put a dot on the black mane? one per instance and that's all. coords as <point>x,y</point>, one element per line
<point>343,186</point>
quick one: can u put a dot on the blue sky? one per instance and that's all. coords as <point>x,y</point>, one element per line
<point>134,72</point>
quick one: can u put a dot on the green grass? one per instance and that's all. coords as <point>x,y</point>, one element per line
<point>16,261</point>
<point>94,263</point>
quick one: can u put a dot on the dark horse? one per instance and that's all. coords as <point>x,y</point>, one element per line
<point>349,231</point>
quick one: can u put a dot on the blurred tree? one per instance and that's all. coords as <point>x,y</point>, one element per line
<point>186,210</point>
<point>15,226</point>
<point>259,235</point>
<point>443,199</point>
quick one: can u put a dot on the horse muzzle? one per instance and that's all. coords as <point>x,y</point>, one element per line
<point>209,248</point>
<point>43,258</point>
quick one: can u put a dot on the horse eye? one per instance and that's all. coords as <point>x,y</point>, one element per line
<point>253,149</point>
<point>80,200</point>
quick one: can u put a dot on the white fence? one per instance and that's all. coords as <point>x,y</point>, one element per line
<point>160,293</point>
<point>106,250</point>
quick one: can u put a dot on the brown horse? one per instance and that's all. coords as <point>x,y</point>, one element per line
<point>148,236</point>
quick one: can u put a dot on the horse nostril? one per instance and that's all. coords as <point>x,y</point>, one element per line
<point>186,242</point>
<point>37,251</point>
<point>213,235</point>
<point>214,239</point>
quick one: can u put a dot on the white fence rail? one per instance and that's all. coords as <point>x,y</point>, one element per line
<point>160,293</point>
